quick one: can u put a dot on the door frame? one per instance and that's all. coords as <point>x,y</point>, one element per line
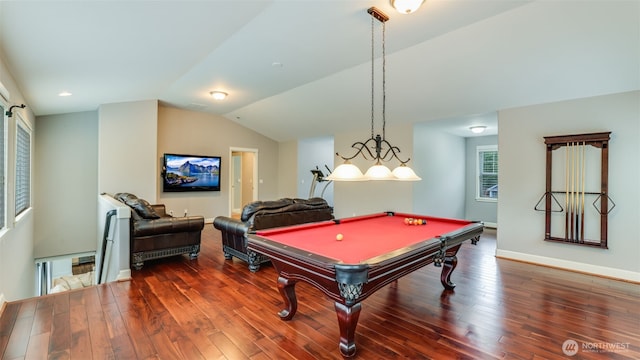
<point>233,149</point>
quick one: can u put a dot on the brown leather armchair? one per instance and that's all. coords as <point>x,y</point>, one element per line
<point>156,234</point>
<point>261,215</point>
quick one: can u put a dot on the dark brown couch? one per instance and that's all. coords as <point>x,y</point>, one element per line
<point>156,234</point>
<point>261,215</point>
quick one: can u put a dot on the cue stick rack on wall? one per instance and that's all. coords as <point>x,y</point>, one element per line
<point>569,221</point>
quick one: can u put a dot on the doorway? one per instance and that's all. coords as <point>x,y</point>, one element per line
<point>243,179</point>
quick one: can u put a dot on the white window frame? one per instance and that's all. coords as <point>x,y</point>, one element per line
<point>479,150</point>
<point>21,124</point>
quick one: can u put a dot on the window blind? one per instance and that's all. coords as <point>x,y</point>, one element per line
<point>23,169</point>
<point>488,174</point>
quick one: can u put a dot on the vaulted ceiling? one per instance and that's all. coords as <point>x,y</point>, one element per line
<point>302,68</point>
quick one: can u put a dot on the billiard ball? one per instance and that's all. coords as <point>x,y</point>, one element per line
<point>339,237</point>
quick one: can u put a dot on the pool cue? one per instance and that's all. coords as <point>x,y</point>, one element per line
<point>584,145</point>
<point>566,202</point>
<point>570,192</point>
<point>573,191</point>
<point>577,192</point>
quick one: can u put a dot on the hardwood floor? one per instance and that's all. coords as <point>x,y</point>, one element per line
<point>215,309</point>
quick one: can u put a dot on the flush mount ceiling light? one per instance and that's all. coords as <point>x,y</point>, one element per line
<point>64,93</point>
<point>218,95</point>
<point>384,151</point>
<point>406,6</point>
<point>478,129</point>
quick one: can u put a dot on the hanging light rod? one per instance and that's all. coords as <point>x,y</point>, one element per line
<point>383,150</point>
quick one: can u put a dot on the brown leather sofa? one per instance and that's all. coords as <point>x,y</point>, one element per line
<point>156,234</point>
<point>261,215</point>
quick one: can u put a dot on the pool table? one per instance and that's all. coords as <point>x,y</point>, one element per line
<point>374,251</point>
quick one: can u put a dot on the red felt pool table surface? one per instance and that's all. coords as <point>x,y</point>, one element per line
<point>364,237</point>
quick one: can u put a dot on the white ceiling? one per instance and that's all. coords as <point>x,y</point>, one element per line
<point>454,60</point>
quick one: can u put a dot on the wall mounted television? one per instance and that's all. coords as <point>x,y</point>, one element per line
<point>190,173</point>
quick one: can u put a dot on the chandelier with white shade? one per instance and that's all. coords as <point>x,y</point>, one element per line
<point>377,148</point>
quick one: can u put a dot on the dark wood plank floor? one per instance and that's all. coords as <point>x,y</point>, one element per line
<point>216,309</point>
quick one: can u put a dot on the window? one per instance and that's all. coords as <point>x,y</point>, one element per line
<point>487,187</point>
<point>2,168</point>
<point>23,168</point>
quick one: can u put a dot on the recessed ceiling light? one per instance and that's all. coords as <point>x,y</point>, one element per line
<point>218,95</point>
<point>64,93</point>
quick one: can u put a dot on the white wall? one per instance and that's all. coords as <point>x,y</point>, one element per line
<point>440,162</point>
<point>17,268</point>
<point>359,198</point>
<point>67,185</point>
<point>287,169</point>
<point>522,182</point>
<point>127,148</point>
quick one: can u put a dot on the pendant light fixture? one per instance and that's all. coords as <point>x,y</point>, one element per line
<point>406,6</point>
<point>383,151</point>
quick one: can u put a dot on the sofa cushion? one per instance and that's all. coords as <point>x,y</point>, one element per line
<point>283,205</point>
<point>143,208</point>
<point>316,201</point>
<point>168,225</point>
<point>250,209</point>
<point>293,216</point>
<point>123,197</point>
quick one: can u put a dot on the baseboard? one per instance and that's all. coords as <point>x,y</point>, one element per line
<point>208,221</point>
<point>490,225</point>
<point>124,275</point>
<point>601,271</point>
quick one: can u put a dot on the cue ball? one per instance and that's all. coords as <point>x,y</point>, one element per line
<point>339,237</point>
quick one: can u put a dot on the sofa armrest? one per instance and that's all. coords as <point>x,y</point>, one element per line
<point>168,225</point>
<point>230,226</point>
<point>160,209</point>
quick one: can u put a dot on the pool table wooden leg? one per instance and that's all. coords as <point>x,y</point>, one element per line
<point>287,289</point>
<point>450,263</point>
<point>347,321</point>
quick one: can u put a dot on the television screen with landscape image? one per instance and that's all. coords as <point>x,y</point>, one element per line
<point>191,173</point>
